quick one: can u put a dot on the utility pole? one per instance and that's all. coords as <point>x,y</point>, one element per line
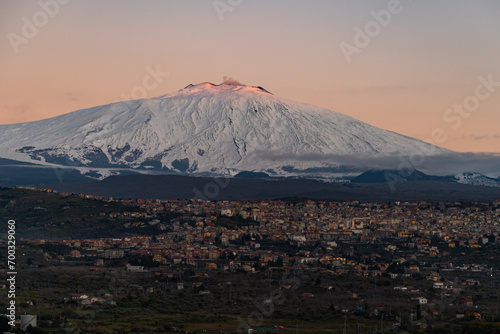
<point>345,324</point>
<point>496,307</point>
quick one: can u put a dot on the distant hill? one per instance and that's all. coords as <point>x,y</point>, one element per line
<point>18,173</point>
<point>172,187</point>
<point>47,215</point>
<point>382,175</point>
<point>252,175</point>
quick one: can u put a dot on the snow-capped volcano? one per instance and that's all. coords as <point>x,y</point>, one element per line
<point>203,129</point>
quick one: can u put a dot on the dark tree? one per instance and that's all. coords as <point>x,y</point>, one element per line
<point>4,324</point>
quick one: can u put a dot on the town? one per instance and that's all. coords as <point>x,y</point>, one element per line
<point>245,265</point>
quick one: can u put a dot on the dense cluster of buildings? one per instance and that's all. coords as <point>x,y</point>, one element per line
<point>198,236</point>
<point>426,251</point>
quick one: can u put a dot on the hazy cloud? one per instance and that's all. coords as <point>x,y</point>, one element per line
<point>15,112</point>
<point>441,164</point>
<point>480,137</point>
<point>390,89</point>
<point>17,108</point>
<point>72,96</point>
<point>485,163</point>
<point>230,81</point>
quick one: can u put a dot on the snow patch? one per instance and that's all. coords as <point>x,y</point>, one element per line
<point>204,129</point>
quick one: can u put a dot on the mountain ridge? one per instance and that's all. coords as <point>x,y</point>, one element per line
<point>204,129</point>
<point>208,188</point>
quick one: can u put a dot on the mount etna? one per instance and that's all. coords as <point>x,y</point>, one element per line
<point>203,129</point>
<point>207,130</point>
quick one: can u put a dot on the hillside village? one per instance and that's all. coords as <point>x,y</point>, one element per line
<point>206,231</point>
<point>428,262</point>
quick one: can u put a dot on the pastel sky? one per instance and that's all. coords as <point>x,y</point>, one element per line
<point>59,56</point>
